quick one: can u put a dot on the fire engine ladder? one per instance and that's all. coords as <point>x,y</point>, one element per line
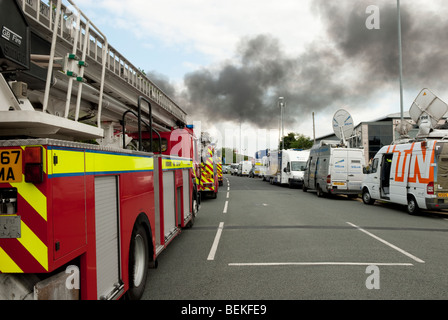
<point>88,82</point>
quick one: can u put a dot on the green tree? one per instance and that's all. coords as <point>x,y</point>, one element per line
<point>296,141</point>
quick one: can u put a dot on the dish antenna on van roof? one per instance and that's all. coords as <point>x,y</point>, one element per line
<point>426,110</point>
<point>343,125</point>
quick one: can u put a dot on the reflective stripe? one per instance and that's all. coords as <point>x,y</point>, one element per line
<point>34,245</point>
<point>33,196</point>
<point>98,162</point>
<point>8,265</point>
<point>174,164</point>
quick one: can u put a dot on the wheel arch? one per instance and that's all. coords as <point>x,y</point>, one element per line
<point>142,219</point>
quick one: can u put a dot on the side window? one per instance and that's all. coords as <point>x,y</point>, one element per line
<point>375,165</point>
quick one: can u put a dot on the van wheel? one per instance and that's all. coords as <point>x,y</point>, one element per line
<point>366,198</point>
<point>412,206</point>
<point>319,192</point>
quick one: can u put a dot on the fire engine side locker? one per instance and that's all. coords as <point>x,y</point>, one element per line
<point>107,235</point>
<point>169,205</point>
<point>186,196</point>
<point>68,172</point>
<point>165,220</point>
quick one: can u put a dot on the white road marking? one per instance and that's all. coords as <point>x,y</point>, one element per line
<point>211,255</point>
<point>317,264</point>
<point>228,194</point>
<point>225,207</point>
<point>387,243</point>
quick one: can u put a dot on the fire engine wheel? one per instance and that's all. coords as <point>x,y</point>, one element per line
<point>412,206</point>
<point>138,262</point>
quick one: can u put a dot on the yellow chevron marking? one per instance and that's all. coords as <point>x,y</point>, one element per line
<point>34,245</point>
<point>33,196</point>
<point>7,264</point>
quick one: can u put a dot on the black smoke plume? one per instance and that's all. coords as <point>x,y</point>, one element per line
<point>352,67</point>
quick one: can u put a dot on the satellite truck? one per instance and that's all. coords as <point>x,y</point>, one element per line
<point>286,167</point>
<point>333,167</point>
<point>259,155</point>
<point>413,172</point>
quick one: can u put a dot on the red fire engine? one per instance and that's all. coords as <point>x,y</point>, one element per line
<point>98,170</point>
<point>209,184</point>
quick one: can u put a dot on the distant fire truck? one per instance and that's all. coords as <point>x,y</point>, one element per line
<point>209,183</point>
<point>99,170</point>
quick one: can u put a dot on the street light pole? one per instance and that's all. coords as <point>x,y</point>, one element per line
<point>400,62</point>
<point>282,105</point>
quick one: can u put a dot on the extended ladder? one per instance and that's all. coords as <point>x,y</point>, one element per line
<point>87,81</point>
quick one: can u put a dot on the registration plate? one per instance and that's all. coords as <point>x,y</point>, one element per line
<point>10,165</point>
<point>339,183</point>
<point>10,227</point>
<point>442,195</point>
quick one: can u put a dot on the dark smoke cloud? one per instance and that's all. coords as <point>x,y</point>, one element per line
<point>352,67</point>
<point>245,90</point>
<point>162,82</point>
<point>424,38</point>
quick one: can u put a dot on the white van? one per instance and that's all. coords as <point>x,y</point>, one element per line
<point>244,168</point>
<point>334,170</point>
<point>412,174</point>
<point>287,166</point>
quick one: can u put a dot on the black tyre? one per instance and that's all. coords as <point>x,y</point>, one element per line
<point>138,262</point>
<point>412,206</point>
<point>319,192</point>
<point>366,198</point>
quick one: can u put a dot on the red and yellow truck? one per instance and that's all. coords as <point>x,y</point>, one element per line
<point>98,171</point>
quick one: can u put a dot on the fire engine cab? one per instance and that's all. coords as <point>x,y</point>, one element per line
<point>98,170</point>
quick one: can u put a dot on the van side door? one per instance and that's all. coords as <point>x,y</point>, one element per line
<point>355,165</point>
<point>398,180</point>
<point>339,168</point>
<point>372,178</point>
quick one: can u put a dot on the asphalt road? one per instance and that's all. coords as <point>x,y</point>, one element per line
<point>258,241</point>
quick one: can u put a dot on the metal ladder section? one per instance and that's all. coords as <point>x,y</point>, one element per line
<point>88,62</point>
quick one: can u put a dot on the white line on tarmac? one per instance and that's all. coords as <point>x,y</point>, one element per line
<point>387,243</point>
<point>211,255</point>
<point>225,207</point>
<point>228,194</point>
<point>318,264</point>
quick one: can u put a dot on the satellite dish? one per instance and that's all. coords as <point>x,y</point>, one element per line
<point>426,110</point>
<point>343,124</point>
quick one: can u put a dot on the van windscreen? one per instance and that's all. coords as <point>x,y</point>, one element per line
<point>298,165</point>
